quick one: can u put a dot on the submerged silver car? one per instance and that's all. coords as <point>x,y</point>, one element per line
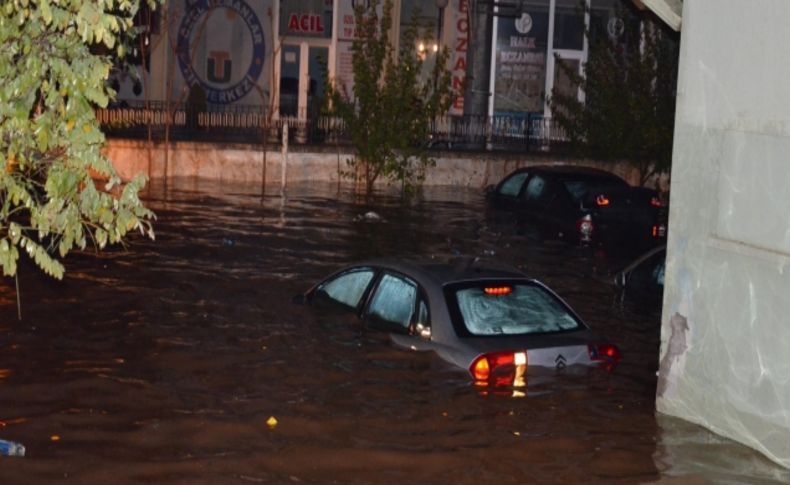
<point>491,320</point>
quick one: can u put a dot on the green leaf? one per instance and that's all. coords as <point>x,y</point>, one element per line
<point>101,237</point>
<point>46,12</point>
<point>51,81</point>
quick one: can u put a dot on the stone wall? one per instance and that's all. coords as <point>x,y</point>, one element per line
<point>244,163</point>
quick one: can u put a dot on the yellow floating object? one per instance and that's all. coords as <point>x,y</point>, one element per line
<point>54,437</point>
<point>271,422</point>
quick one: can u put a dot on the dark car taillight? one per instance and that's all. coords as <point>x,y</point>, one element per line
<point>607,354</point>
<point>656,202</point>
<point>499,368</point>
<point>602,200</point>
<point>585,227</point>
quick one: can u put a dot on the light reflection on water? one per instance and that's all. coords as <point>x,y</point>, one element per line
<point>165,362</point>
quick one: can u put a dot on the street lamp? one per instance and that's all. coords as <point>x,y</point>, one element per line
<point>440,4</point>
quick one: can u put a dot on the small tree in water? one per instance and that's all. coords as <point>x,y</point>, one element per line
<point>389,114</point>
<point>629,107</point>
<point>52,76</point>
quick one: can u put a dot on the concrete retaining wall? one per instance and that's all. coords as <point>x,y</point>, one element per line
<point>244,163</point>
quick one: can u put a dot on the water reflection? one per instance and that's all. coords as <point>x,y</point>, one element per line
<point>186,346</point>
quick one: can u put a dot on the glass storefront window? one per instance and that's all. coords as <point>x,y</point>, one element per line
<point>520,63</point>
<point>427,43</point>
<point>289,80</point>
<point>427,15</point>
<point>563,83</point>
<point>613,20</point>
<point>569,25</point>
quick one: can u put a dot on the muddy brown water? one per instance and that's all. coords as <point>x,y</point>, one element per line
<point>163,362</point>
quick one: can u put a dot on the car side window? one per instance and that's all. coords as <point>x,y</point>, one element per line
<point>348,287</point>
<point>422,314</point>
<point>658,274</point>
<point>512,186</point>
<point>648,274</point>
<point>536,190</point>
<point>393,302</point>
<point>422,323</point>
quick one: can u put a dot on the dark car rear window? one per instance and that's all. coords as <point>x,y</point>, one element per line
<point>504,309</point>
<point>579,188</point>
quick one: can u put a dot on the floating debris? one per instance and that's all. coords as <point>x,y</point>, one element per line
<point>10,448</point>
<point>271,422</point>
<point>369,216</point>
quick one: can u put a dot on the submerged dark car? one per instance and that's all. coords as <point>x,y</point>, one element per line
<point>492,321</point>
<point>581,204</point>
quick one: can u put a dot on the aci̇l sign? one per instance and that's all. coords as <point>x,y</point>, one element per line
<point>220,46</point>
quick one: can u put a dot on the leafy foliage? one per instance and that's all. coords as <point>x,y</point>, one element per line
<point>629,107</point>
<point>389,114</point>
<point>51,78</point>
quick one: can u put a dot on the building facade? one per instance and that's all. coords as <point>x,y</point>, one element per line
<point>275,55</point>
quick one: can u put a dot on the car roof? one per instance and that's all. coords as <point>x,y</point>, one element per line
<point>454,271</point>
<point>572,170</point>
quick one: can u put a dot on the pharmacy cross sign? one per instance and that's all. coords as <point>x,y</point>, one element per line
<point>212,29</point>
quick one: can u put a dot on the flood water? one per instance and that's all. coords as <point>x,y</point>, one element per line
<point>164,361</point>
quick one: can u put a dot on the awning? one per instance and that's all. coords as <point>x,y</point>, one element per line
<point>670,11</point>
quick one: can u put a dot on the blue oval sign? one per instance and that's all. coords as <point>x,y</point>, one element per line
<point>217,79</point>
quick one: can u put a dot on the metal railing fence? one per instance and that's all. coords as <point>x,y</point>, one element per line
<point>255,124</point>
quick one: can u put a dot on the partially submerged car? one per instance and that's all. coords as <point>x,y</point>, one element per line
<point>489,320</point>
<point>582,204</point>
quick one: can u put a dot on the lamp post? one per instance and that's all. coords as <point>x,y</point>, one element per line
<point>440,4</point>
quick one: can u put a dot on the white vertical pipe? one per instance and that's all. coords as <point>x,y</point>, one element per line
<point>284,166</point>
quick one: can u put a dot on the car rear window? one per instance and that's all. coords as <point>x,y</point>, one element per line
<point>580,188</point>
<point>512,309</point>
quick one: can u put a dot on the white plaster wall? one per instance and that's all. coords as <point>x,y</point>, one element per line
<point>725,353</point>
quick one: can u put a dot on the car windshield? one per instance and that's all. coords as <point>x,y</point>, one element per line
<point>512,309</point>
<point>578,188</point>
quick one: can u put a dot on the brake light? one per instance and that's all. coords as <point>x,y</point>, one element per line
<point>498,290</point>
<point>656,202</point>
<point>607,353</point>
<point>481,370</point>
<point>659,230</point>
<point>602,200</point>
<point>487,365</point>
<point>585,227</point>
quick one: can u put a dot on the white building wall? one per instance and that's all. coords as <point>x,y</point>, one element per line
<point>725,353</point>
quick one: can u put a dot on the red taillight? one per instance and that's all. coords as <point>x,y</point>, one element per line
<point>481,369</point>
<point>656,202</point>
<point>585,227</point>
<point>487,364</point>
<point>607,353</point>
<point>602,200</point>
<point>498,290</point>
